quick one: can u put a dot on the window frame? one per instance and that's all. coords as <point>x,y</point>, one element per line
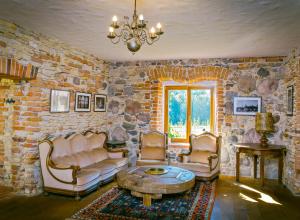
<point>189,108</point>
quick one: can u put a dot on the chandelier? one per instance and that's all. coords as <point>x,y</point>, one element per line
<point>133,34</point>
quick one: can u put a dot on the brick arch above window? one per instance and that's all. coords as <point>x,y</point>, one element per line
<point>188,74</point>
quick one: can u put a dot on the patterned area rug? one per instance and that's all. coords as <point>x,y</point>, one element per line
<point>117,204</point>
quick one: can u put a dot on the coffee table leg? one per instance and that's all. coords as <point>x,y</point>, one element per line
<point>147,199</point>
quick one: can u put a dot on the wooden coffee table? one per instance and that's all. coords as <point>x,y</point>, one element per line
<point>148,186</point>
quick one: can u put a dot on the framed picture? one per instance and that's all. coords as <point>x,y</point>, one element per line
<point>290,100</point>
<point>83,102</point>
<point>100,103</point>
<point>59,101</point>
<point>246,105</point>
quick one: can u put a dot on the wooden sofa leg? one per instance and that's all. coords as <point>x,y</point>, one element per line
<point>77,197</point>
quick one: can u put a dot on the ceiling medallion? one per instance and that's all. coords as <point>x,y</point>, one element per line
<point>133,34</point>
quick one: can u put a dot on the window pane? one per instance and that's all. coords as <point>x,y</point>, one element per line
<point>177,113</point>
<point>200,111</point>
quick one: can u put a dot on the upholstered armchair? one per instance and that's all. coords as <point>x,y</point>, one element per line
<point>203,157</point>
<point>153,149</point>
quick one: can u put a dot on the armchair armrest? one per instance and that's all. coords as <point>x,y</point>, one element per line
<point>184,156</point>
<point>213,160</point>
<point>138,153</point>
<point>63,173</point>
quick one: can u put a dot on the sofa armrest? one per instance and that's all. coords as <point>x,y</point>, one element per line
<point>213,160</point>
<point>63,173</point>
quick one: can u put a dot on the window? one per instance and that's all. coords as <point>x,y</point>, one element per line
<point>188,110</point>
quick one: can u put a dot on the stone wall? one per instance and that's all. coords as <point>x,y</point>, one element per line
<point>136,100</point>
<point>293,124</point>
<point>28,120</point>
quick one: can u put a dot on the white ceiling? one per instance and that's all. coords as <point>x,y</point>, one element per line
<point>193,28</point>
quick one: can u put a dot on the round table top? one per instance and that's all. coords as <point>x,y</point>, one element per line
<point>176,180</point>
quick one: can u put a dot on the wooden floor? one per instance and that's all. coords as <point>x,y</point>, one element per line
<point>246,200</point>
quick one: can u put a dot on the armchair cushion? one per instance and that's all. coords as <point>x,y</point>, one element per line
<point>153,140</point>
<point>204,143</point>
<point>151,162</point>
<point>153,153</point>
<point>198,156</point>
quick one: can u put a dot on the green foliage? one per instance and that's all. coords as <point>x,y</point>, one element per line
<point>178,110</point>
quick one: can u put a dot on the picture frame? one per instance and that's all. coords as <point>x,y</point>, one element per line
<point>100,101</point>
<point>59,101</point>
<point>246,105</point>
<point>83,102</point>
<point>290,100</point>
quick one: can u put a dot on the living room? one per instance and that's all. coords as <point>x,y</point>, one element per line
<point>213,97</point>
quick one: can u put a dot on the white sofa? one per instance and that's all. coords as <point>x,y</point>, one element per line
<point>79,163</point>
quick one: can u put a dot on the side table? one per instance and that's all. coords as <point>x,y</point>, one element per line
<point>257,151</point>
<point>115,144</point>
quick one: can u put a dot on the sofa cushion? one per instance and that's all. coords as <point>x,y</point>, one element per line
<point>198,156</point>
<point>204,143</point>
<point>85,176</point>
<point>102,167</point>
<point>69,160</point>
<point>96,140</point>
<point>61,147</point>
<point>82,159</point>
<point>79,143</point>
<point>153,153</point>
<point>98,155</point>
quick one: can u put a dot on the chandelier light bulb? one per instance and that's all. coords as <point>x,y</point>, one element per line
<point>152,30</point>
<point>111,29</point>
<point>141,17</point>
<point>114,18</point>
<point>158,25</point>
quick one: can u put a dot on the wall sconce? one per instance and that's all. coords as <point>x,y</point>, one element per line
<point>9,101</point>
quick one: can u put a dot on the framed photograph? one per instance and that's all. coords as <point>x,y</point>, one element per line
<point>100,103</point>
<point>246,105</point>
<point>83,102</point>
<point>290,100</point>
<point>59,101</point>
